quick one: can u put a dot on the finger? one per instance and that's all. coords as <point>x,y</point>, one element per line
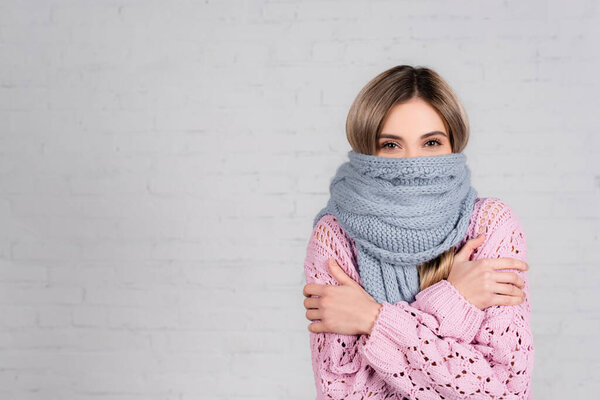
<point>507,289</point>
<point>317,327</point>
<point>314,289</point>
<point>338,273</point>
<point>470,246</point>
<point>509,277</point>
<point>311,302</point>
<point>508,263</point>
<point>313,314</point>
<point>502,300</point>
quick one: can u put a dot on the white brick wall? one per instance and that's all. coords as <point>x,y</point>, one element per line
<point>161,164</point>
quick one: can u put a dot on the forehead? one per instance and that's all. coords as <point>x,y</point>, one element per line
<point>413,117</point>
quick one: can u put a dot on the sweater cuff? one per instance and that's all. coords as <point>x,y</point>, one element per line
<point>457,317</point>
<point>391,332</point>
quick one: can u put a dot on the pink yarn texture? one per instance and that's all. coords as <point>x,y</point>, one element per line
<point>438,347</point>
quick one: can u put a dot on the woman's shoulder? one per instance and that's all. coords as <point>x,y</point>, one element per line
<point>496,219</point>
<point>331,232</point>
<point>329,239</point>
<point>491,214</point>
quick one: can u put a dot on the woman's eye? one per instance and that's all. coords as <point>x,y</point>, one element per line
<point>434,141</point>
<point>385,145</point>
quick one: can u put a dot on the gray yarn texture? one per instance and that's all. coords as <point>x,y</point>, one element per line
<point>400,212</point>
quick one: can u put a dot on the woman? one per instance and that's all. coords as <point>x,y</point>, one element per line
<point>418,288</point>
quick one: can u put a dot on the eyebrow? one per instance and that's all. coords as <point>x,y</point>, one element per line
<point>390,136</point>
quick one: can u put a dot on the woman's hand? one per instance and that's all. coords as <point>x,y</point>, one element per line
<point>480,283</point>
<point>346,309</point>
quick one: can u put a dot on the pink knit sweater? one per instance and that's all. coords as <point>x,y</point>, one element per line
<point>438,347</point>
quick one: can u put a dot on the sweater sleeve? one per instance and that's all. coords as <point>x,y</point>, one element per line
<point>339,371</point>
<point>427,350</point>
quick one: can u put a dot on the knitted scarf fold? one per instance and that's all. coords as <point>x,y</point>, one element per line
<point>400,212</point>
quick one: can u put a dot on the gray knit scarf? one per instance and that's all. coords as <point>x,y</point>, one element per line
<point>400,212</point>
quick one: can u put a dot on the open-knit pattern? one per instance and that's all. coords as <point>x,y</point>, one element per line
<point>438,347</point>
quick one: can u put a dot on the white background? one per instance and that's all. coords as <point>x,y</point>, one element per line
<point>161,164</point>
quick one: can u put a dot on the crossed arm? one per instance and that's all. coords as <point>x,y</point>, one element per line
<point>439,346</point>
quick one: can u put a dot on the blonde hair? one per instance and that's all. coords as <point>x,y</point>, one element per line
<point>370,109</point>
